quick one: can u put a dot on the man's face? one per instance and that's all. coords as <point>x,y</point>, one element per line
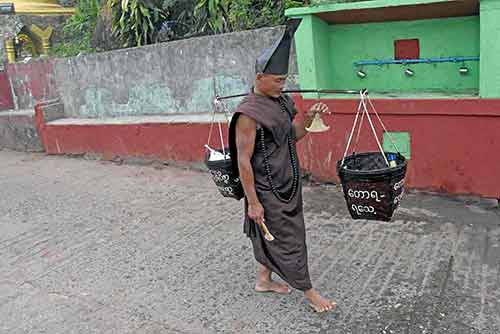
<point>270,84</point>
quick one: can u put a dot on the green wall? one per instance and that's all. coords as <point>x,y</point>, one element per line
<point>438,38</point>
<point>490,49</point>
<point>313,49</point>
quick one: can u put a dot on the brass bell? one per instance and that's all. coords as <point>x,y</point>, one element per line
<point>317,125</point>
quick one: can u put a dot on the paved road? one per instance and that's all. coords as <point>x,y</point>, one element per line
<point>88,246</point>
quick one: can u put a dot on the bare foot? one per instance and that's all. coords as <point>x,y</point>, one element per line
<point>271,286</point>
<point>266,284</point>
<point>319,303</point>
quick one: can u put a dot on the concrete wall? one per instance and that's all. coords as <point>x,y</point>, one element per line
<point>176,77</point>
<point>451,140</point>
<point>183,76</point>
<point>18,131</point>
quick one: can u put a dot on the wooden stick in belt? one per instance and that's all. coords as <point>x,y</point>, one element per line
<point>267,235</point>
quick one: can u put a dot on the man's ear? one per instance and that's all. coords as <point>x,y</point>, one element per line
<point>259,76</point>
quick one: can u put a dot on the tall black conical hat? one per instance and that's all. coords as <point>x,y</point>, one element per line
<point>275,59</point>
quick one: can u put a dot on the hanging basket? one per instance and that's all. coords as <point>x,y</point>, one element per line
<point>373,182</point>
<point>219,162</point>
<point>222,173</point>
<point>372,190</point>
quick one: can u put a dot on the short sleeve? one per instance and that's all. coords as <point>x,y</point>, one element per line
<point>290,104</point>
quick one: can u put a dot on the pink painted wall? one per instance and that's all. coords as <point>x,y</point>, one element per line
<point>174,142</point>
<point>33,82</point>
<point>6,101</point>
<point>454,143</point>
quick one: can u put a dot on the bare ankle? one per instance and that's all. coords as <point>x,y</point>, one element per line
<point>263,280</point>
<point>264,274</point>
<point>311,292</point>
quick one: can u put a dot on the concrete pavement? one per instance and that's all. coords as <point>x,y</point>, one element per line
<point>89,246</point>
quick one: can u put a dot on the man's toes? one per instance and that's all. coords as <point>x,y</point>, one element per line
<point>315,308</point>
<point>285,289</point>
<point>322,309</point>
<point>323,306</point>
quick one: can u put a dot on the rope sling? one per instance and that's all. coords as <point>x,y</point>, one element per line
<point>222,173</point>
<point>219,162</point>
<point>373,182</point>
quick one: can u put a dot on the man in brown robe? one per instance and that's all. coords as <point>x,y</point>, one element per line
<point>263,140</point>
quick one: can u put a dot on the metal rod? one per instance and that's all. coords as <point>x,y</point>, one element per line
<point>318,91</point>
<point>416,61</point>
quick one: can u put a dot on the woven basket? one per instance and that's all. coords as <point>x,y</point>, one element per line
<point>372,190</point>
<point>222,173</point>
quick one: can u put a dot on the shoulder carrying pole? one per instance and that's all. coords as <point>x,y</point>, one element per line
<point>317,91</point>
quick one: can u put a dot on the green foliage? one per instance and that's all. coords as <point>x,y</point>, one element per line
<point>182,13</point>
<point>136,22</point>
<point>251,14</point>
<point>212,16</point>
<point>77,30</point>
<point>296,3</point>
<point>322,2</point>
<point>219,16</point>
<point>141,22</point>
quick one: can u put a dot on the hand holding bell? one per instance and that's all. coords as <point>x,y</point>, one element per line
<point>317,124</point>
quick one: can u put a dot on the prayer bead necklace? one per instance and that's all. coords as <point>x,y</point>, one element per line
<point>293,159</point>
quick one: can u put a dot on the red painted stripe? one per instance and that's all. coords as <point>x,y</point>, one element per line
<point>454,154</point>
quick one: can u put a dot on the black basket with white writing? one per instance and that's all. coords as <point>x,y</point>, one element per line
<point>225,179</point>
<point>372,190</point>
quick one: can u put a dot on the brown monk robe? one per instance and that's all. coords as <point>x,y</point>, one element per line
<point>282,201</point>
<point>263,139</point>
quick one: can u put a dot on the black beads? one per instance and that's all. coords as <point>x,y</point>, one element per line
<point>293,161</point>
